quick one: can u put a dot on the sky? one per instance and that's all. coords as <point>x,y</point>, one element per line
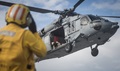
<point>109,53</point>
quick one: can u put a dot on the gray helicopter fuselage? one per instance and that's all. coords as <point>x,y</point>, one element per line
<point>82,30</point>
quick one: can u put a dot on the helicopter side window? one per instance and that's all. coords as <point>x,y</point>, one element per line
<point>84,21</point>
<point>94,17</point>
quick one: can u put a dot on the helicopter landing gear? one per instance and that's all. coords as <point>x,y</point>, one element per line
<point>69,47</point>
<point>94,51</point>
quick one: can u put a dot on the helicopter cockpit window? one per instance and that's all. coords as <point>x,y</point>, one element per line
<point>84,21</point>
<point>94,17</point>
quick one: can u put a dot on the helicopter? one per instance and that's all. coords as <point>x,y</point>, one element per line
<point>72,32</point>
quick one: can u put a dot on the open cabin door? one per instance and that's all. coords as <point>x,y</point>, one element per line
<point>57,38</point>
<point>54,39</point>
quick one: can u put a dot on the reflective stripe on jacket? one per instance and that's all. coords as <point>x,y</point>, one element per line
<point>17,47</point>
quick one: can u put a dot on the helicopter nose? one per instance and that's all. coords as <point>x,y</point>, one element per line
<point>115,25</point>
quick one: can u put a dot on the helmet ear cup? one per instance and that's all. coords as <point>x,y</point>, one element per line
<point>6,19</point>
<point>28,19</point>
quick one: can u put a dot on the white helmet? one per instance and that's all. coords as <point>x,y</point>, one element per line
<point>18,14</point>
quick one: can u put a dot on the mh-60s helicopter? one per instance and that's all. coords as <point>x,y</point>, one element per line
<point>72,31</point>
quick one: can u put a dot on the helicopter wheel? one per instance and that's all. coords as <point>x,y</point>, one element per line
<point>94,51</point>
<point>69,48</point>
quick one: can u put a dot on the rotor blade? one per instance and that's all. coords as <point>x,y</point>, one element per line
<point>111,16</point>
<point>77,4</point>
<point>6,3</point>
<point>40,10</point>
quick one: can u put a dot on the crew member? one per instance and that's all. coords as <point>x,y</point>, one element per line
<point>55,42</point>
<point>17,45</point>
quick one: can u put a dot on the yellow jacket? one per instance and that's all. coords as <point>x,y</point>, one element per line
<point>17,47</point>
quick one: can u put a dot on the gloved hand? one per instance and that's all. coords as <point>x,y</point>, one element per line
<point>32,26</point>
